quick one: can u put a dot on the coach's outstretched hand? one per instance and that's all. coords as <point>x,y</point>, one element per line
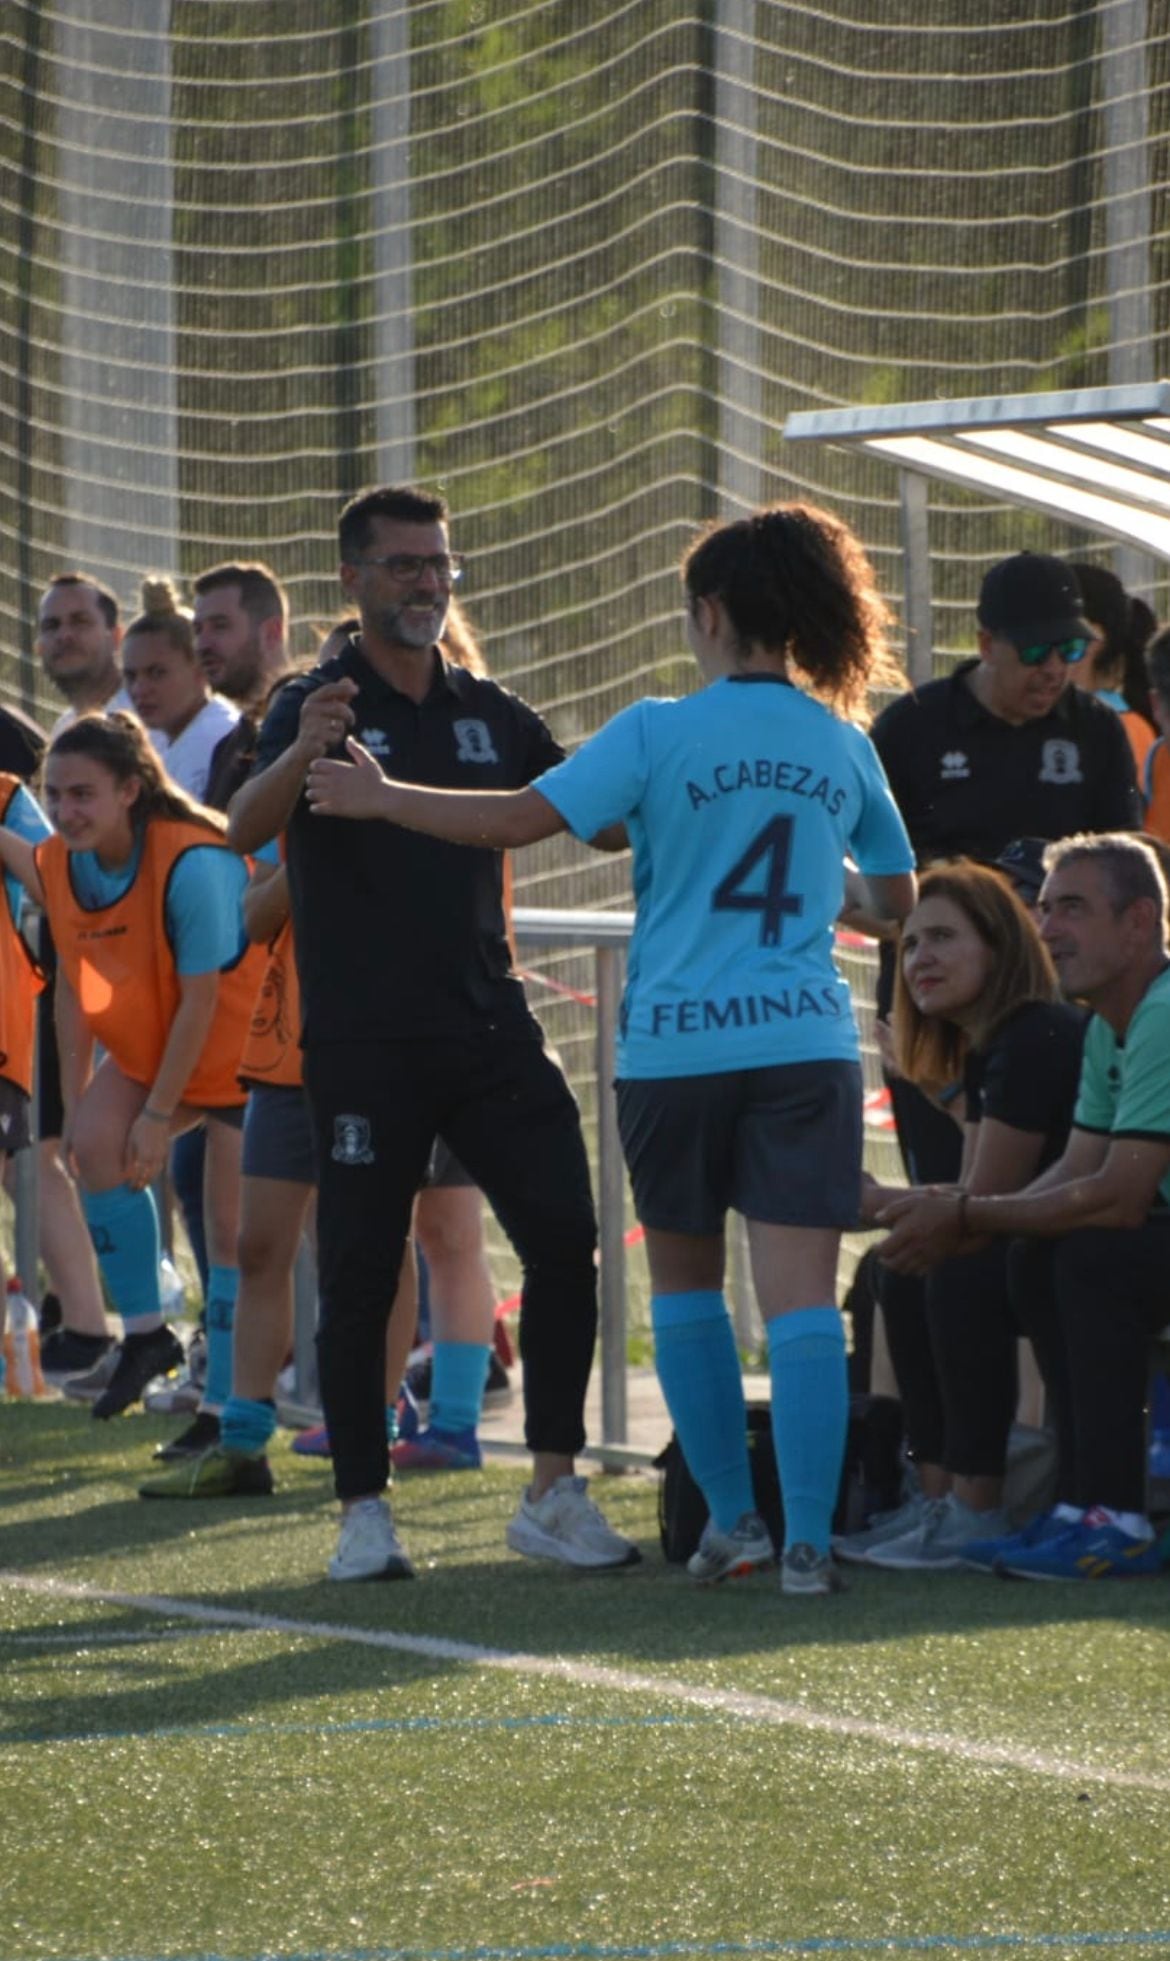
<point>353,789</point>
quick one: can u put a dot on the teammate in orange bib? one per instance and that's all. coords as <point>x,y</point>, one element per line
<point>143,898</point>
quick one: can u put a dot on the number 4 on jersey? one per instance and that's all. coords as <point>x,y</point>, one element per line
<point>771,847</point>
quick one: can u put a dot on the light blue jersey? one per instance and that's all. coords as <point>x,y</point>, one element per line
<point>204,902</point>
<point>27,820</point>
<point>741,803</point>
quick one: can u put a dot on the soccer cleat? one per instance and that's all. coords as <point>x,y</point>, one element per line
<point>66,1353</point>
<point>218,1473</point>
<point>729,1555</point>
<point>140,1359</point>
<point>437,1450</point>
<point>805,1570</point>
<point>199,1436</point>
<point>938,1542</point>
<point>1093,1549</point>
<point>315,1442</point>
<point>855,1547</point>
<point>312,1443</point>
<point>565,1525</point>
<point>88,1387</point>
<point>369,1547</point>
<point>984,1555</point>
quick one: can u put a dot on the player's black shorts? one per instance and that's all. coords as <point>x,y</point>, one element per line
<point>782,1145</point>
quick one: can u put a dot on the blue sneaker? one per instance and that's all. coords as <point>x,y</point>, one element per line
<point>1093,1549</point>
<point>438,1450</point>
<point>986,1554</point>
<point>313,1443</point>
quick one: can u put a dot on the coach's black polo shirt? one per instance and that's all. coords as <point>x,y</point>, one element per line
<point>399,934</point>
<point>967,782</point>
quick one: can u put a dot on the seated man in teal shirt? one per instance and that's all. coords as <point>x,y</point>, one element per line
<point>1091,1266</point>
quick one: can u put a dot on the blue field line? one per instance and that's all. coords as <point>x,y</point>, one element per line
<point>667,1950</point>
<point>372,1726</point>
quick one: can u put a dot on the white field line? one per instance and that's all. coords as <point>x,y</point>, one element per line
<point>733,1703</point>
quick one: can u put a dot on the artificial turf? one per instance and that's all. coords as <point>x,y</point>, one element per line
<point>607,1764</point>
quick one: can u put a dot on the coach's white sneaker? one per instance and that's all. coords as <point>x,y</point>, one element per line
<point>566,1525</point>
<point>369,1548</point>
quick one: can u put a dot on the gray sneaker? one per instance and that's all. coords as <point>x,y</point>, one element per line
<point>565,1525</point>
<point>805,1570</point>
<point>937,1543</point>
<point>727,1555</point>
<point>369,1548</point>
<point>855,1547</point>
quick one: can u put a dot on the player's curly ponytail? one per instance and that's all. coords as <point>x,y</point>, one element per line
<point>795,580</point>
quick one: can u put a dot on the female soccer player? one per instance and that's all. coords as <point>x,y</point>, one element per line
<point>738,1075</point>
<point>143,897</point>
<point>976,1002</point>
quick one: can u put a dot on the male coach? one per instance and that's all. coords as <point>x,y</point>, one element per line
<point>415,1025</point>
<point>1088,1275</point>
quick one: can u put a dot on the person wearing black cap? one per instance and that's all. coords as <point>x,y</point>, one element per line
<point>1004,747</point>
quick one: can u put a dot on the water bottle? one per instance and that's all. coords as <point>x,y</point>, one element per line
<point>172,1299</point>
<point>22,1344</point>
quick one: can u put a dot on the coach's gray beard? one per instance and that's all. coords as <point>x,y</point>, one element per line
<point>393,625</point>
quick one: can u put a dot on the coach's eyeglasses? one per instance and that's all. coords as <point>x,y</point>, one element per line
<point>1070,651</point>
<point>404,566</point>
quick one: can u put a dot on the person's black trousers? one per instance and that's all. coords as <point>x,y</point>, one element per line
<point>1092,1302</point>
<point>504,1108</point>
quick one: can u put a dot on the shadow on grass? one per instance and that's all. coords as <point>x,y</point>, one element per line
<point>267,1557</point>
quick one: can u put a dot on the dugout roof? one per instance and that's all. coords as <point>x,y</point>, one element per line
<point>1094,457</point>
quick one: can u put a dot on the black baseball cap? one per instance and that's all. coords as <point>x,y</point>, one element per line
<point>1033,601</point>
<point>1023,861</point>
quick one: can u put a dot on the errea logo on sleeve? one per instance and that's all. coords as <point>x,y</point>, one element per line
<point>954,766</point>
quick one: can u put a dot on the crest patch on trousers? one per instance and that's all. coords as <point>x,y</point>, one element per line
<point>351,1141</point>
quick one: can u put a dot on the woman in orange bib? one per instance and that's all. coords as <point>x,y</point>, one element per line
<point>143,898</point>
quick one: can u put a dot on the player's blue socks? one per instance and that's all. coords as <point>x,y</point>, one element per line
<point>222,1286</point>
<point>458,1375</point>
<point>123,1225</point>
<point>247,1425</point>
<point>810,1415</point>
<point>699,1369</point>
